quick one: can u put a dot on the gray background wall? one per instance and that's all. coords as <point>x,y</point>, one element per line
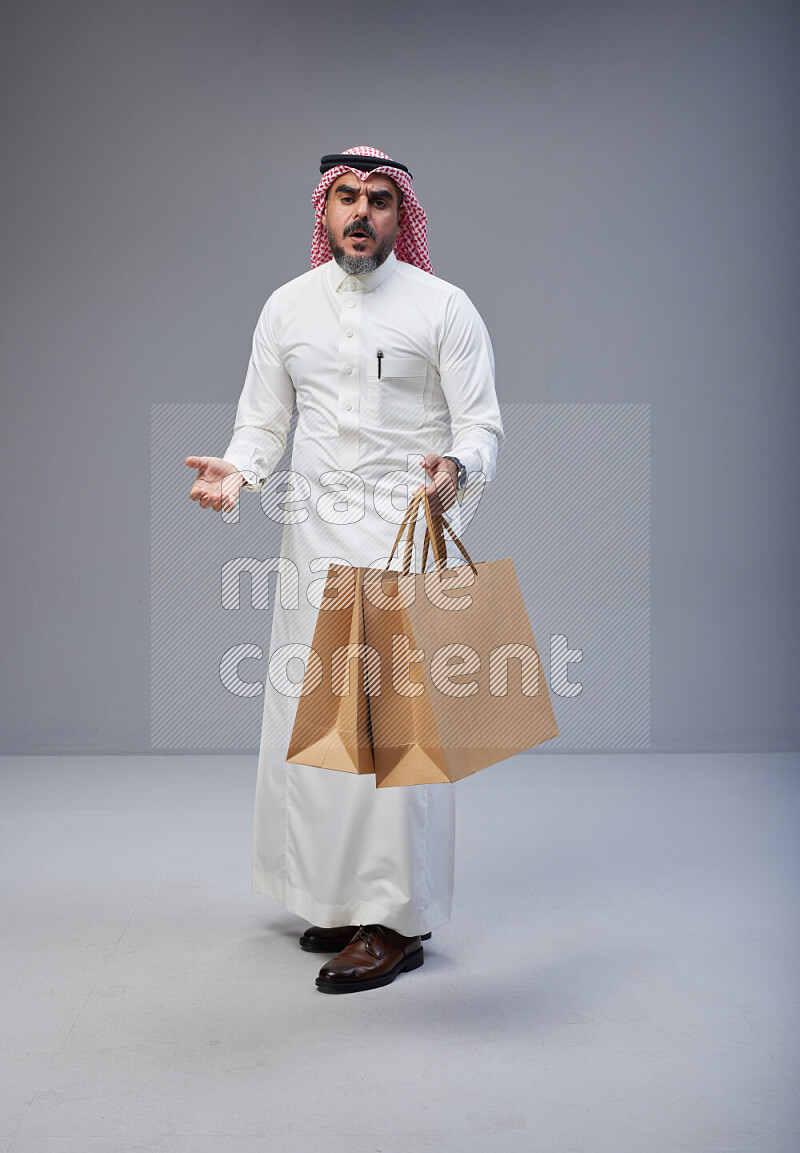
<point>614,185</point>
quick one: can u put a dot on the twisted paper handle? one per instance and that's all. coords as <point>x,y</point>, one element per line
<point>434,535</point>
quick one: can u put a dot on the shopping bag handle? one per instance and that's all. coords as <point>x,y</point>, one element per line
<point>433,535</point>
<point>410,512</point>
<point>444,523</point>
<point>409,524</point>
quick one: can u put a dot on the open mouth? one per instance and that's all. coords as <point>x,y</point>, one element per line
<point>358,236</point>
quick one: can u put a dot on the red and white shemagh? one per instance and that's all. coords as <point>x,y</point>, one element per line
<point>411,244</point>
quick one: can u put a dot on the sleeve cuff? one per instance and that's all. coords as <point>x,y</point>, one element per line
<point>245,466</point>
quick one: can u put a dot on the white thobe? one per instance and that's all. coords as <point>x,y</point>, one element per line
<point>329,845</point>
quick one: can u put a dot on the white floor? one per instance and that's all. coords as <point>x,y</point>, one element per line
<point>620,976</point>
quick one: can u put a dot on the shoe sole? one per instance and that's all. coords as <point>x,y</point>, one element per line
<point>405,966</point>
<point>312,946</point>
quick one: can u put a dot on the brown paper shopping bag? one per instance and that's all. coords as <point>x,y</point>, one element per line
<point>331,726</point>
<point>457,683</point>
<point>332,723</point>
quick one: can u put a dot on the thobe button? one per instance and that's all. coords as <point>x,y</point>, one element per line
<point>349,332</point>
<point>349,408</point>
<point>351,284</point>
<point>349,369</point>
<point>351,304</point>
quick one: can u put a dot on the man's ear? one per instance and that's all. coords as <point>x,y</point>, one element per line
<point>401,214</point>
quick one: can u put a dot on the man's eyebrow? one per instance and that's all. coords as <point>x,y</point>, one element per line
<point>373,193</point>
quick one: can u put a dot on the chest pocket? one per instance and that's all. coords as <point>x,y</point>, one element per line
<point>396,400</point>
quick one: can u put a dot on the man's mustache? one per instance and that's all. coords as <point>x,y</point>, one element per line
<point>367,229</point>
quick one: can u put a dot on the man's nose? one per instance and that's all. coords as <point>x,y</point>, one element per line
<point>362,206</point>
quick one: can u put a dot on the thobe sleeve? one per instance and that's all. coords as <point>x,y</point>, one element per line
<point>466,371</point>
<point>264,412</point>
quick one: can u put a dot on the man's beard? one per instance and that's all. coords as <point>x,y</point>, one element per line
<point>360,265</point>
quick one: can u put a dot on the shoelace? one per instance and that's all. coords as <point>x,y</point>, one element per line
<point>370,934</point>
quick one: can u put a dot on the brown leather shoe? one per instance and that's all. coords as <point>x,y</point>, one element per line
<point>374,957</point>
<point>319,940</point>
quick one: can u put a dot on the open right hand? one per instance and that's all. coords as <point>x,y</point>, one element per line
<point>217,483</point>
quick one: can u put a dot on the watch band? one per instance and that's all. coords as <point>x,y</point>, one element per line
<point>462,470</point>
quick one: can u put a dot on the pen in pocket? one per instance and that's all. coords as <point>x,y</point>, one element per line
<point>380,358</point>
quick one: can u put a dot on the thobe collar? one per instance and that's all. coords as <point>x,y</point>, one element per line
<point>369,281</point>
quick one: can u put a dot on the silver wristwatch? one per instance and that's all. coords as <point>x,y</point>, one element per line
<point>462,471</point>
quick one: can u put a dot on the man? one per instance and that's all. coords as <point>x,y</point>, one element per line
<point>388,368</point>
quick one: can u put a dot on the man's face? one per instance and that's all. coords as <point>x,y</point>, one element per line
<point>362,218</point>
